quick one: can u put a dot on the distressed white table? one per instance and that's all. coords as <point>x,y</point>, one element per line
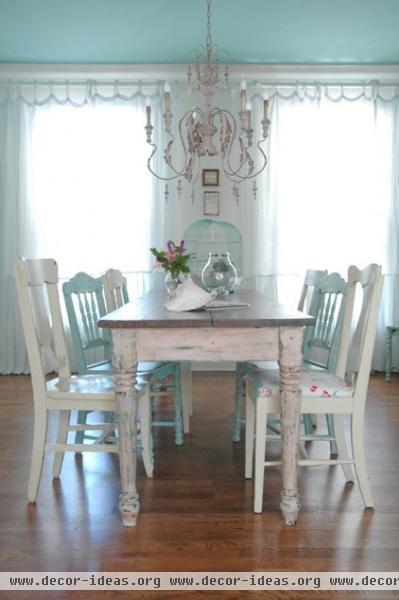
<point>145,331</point>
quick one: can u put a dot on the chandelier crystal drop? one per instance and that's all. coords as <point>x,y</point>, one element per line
<point>210,130</point>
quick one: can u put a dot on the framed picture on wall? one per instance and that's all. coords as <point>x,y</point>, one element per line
<point>211,203</point>
<point>210,177</point>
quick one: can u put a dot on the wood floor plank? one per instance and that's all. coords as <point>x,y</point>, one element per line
<point>197,511</point>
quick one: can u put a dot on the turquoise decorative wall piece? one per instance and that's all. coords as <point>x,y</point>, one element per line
<point>160,31</point>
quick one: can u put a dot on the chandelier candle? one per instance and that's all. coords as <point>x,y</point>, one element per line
<point>243,94</point>
<point>167,97</point>
<point>148,127</point>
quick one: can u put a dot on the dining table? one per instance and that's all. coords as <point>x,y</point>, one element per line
<point>263,330</point>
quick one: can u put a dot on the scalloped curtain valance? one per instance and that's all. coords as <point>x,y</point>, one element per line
<point>81,93</point>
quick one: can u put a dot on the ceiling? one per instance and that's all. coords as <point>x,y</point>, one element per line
<point>165,31</point>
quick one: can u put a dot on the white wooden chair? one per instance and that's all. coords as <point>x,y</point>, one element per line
<point>37,291</point>
<point>342,393</point>
<point>116,294</point>
<point>312,277</point>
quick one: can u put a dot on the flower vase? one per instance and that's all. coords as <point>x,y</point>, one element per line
<point>219,274</point>
<point>172,281</point>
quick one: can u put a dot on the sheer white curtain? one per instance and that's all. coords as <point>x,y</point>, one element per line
<point>330,193</point>
<point>73,186</point>
<point>17,236</point>
<point>91,192</point>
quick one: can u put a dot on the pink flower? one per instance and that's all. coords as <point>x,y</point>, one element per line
<point>326,393</point>
<point>173,258</point>
<point>170,255</point>
<point>313,387</point>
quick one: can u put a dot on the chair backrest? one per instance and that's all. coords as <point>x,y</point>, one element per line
<point>312,277</point>
<point>321,340</point>
<point>115,289</point>
<point>84,302</point>
<point>370,281</point>
<point>39,304</point>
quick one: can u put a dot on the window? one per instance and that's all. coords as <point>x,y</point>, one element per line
<point>91,192</point>
<point>334,185</point>
<point>331,172</point>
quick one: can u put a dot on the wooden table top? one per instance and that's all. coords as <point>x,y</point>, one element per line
<point>149,311</point>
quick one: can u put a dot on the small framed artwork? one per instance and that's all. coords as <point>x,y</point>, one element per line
<point>210,177</point>
<point>211,203</point>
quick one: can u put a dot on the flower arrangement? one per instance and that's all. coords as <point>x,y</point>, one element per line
<point>173,259</point>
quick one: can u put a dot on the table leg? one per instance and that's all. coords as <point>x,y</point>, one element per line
<point>124,359</point>
<point>290,361</point>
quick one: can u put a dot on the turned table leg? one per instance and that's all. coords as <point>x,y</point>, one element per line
<point>124,359</point>
<point>290,361</point>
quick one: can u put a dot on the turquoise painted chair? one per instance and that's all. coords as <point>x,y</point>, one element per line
<point>116,295</point>
<point>85,305</point>
<point>321,340</point>
<point>312,277</point>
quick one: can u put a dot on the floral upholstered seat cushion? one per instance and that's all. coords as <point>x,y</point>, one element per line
<point>313,383</point>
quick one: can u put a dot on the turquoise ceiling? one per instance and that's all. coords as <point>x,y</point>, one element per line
<point>164,31</point>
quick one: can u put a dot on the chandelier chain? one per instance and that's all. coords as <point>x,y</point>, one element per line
<point>209,34</point>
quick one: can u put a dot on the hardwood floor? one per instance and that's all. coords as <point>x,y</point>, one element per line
<point>197,511</point>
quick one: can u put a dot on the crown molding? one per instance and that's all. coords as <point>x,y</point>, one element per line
<point>264,73</point>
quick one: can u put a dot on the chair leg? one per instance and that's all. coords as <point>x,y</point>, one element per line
<point>331,433</point>
<point>260,451</point>
<point>308,424</point>
<point>189,387</point>
<point>360,461</point>
<point>62,435</point>
<point>39,440</point>
<point>187,403</point>
<point>178,407</point>
<point>145,433</point>
<point>388,355</point>
<point>249,435</point>
<point>342,450</point>
<point>238,403</point>
<point>81,420</point>
<point>302,450</point>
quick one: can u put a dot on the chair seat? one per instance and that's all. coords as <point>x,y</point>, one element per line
<point>100,368</point>
<point>145,367</point>
<point>261,365</point>
<point>272,365</point>
<point>142,367</point>
<point>314,383</point>
<point>96,386</point>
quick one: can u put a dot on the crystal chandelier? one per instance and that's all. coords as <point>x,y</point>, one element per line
<point>210,131</point>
